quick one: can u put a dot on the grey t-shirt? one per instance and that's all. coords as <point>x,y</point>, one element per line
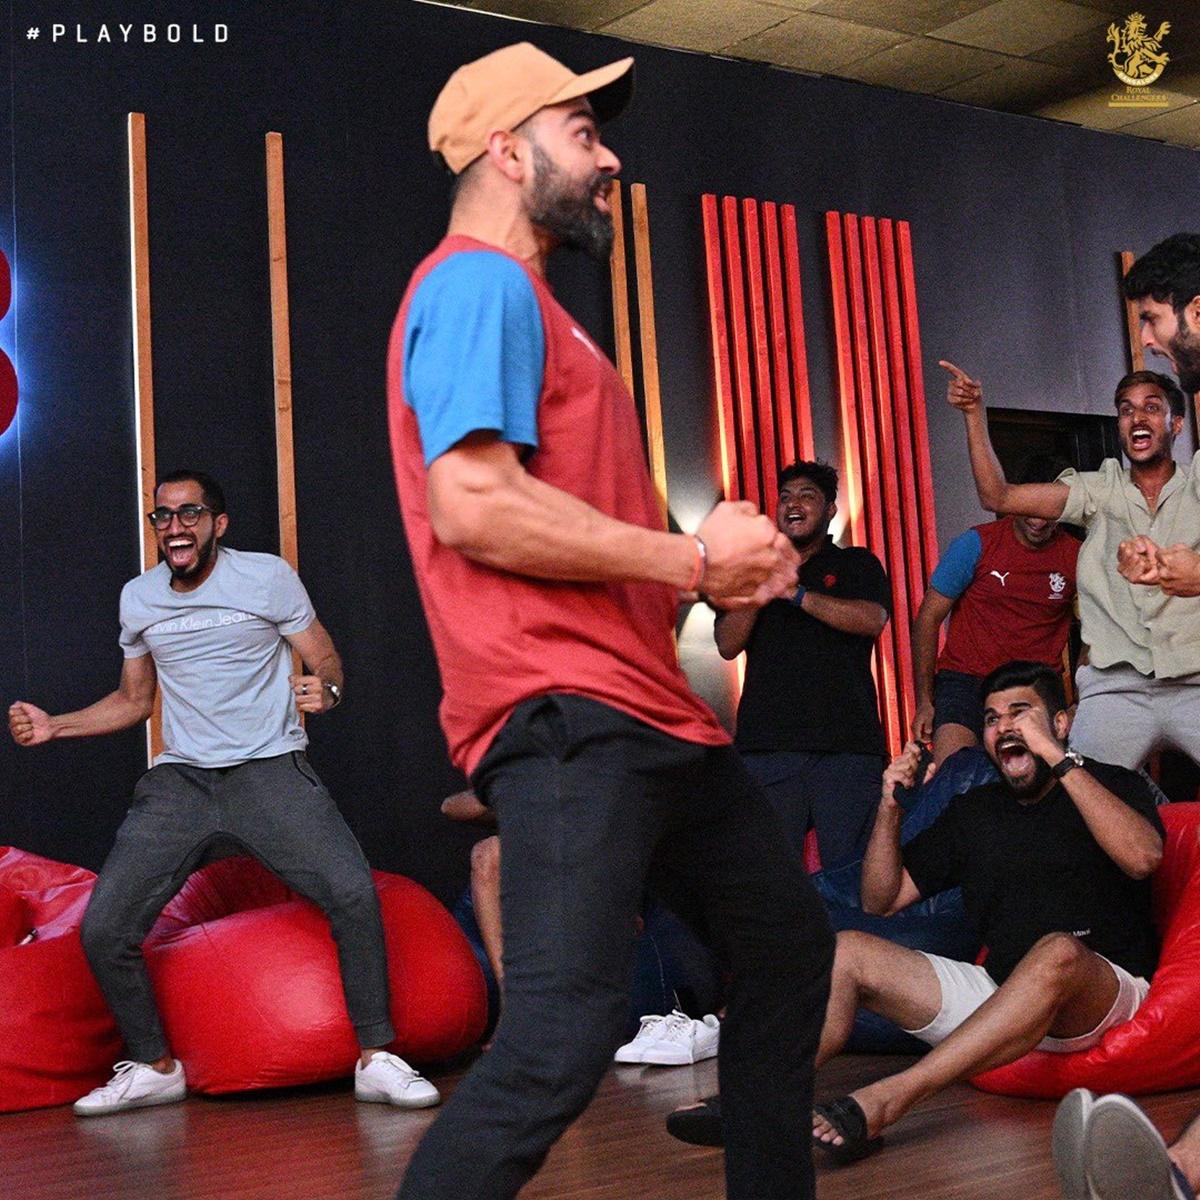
<point>221,658</point>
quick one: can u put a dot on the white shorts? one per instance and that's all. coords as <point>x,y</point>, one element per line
<point>965,987</point>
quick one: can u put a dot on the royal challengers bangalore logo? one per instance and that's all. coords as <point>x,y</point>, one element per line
<point>1137,59</point>
<point>1058,585</point>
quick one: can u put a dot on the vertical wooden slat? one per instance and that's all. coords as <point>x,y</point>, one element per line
<point>801,404</point>
<point>743,389</point>
<point>785,417</point>
<point>889,482</point>
<point>847,394</point>
<point>768,463</point>
<point>281,352</point>
<point>649,341</point>
<point>916,397</point>
<point>902,425</point>
<point>872,493</point>
<point>718,329</point>
<point>1133,327</point>
<point>620,288</point>
<point>281,355</point>
<point>143,372</point>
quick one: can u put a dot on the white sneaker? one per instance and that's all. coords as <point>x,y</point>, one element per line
<point>133,1085</point>
<point>388,1079</point>
<point>647,1034</point>
<point>672,1041</point>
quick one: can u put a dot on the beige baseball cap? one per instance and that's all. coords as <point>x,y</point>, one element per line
<point>508,86</point>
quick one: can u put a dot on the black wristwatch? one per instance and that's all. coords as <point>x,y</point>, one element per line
<point>1070,760</point>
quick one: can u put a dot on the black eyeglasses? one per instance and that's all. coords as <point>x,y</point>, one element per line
<point>188,515</point>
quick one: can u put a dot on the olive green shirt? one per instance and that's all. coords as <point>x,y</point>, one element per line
<point>1130,623</point>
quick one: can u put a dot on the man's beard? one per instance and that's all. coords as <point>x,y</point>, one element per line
<point>568,211</point>
<point>204,552</point>
<point>1033,783</point>
<point>1185,350</point>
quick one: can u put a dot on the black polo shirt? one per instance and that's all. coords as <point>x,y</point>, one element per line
<point>809,686</point>
<point>1027,870</point>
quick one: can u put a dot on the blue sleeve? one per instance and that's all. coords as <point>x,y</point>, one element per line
<point>474,352</point>
<point>956,569</point>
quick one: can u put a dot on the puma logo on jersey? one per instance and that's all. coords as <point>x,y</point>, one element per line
<point>1000,577</point>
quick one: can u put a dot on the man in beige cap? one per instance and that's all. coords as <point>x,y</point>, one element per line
<point>551,588</point>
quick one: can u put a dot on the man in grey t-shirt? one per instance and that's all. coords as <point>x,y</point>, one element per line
<point>216,628</point>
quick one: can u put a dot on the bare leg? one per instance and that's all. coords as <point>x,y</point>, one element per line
<point>949,738</point>
<point>870,972</point>
<point>485,895</point>
<point>1060,988</point>
<point>1186,1152</point>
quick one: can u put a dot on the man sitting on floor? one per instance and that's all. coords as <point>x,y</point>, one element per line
<point>1054,860</point>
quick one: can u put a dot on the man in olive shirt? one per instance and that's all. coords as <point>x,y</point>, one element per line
<point>1141,686</point>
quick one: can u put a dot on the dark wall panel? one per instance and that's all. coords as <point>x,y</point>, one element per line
<point>1014,223</point>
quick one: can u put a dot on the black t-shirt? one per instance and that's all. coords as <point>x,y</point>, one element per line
<point>809,686</point>
<point>1027,870</point>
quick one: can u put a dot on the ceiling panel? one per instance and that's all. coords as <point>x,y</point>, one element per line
<point>574,14</point>
<point>691,26</point>
<point>907,16</point>
<point>1181,125</point>
<point>1016,83</point>
<point>810,42</point>
<point>1046,57</point>
<point>923,65</point>
<point>1021,26</point>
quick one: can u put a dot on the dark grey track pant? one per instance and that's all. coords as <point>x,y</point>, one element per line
<point>273,808</point>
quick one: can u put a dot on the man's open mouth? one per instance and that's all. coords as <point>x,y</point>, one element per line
<point>1014,755</point>
<point>179,549</point>
<point>1140,439</point>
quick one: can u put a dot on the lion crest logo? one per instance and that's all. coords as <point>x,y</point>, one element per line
<point>1137,59</point>
<point>1058,583</point>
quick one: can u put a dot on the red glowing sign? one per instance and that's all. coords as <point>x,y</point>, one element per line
<point>8,374</point>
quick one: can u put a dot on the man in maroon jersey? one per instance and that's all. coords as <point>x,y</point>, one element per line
<point>550,587</point>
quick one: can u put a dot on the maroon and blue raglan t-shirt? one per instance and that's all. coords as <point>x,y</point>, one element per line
<point>480,343</point>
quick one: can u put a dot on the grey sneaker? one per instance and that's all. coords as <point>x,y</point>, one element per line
<point>388,1079</point>
<point>133,1085</point>
<point>1067,1141</point>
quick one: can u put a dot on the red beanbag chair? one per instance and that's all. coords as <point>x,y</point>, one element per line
<point>1159,1050</point>
<point>246,978</point>
<point>57,1037</point>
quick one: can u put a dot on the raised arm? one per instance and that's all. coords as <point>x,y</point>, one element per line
<point>483,503</point>
<point>1046,500</point>
<point>935,608</point>
<point>1120,831</point>
<point>129,705</point>
<point>886,886</point>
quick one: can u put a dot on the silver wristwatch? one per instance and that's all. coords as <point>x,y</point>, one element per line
<point>334,691</point>
<point>1070,760</point>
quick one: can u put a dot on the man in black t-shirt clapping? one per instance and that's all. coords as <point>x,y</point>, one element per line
<point>808,723</point>
<point>1054,860</point>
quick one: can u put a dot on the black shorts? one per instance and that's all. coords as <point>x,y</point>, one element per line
<point>956,701</point>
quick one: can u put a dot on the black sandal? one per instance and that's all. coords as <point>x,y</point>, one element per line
<point>847,1119</point>
<point>698,1125</point>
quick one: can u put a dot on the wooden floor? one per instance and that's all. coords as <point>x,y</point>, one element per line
<point>320,1144</point>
